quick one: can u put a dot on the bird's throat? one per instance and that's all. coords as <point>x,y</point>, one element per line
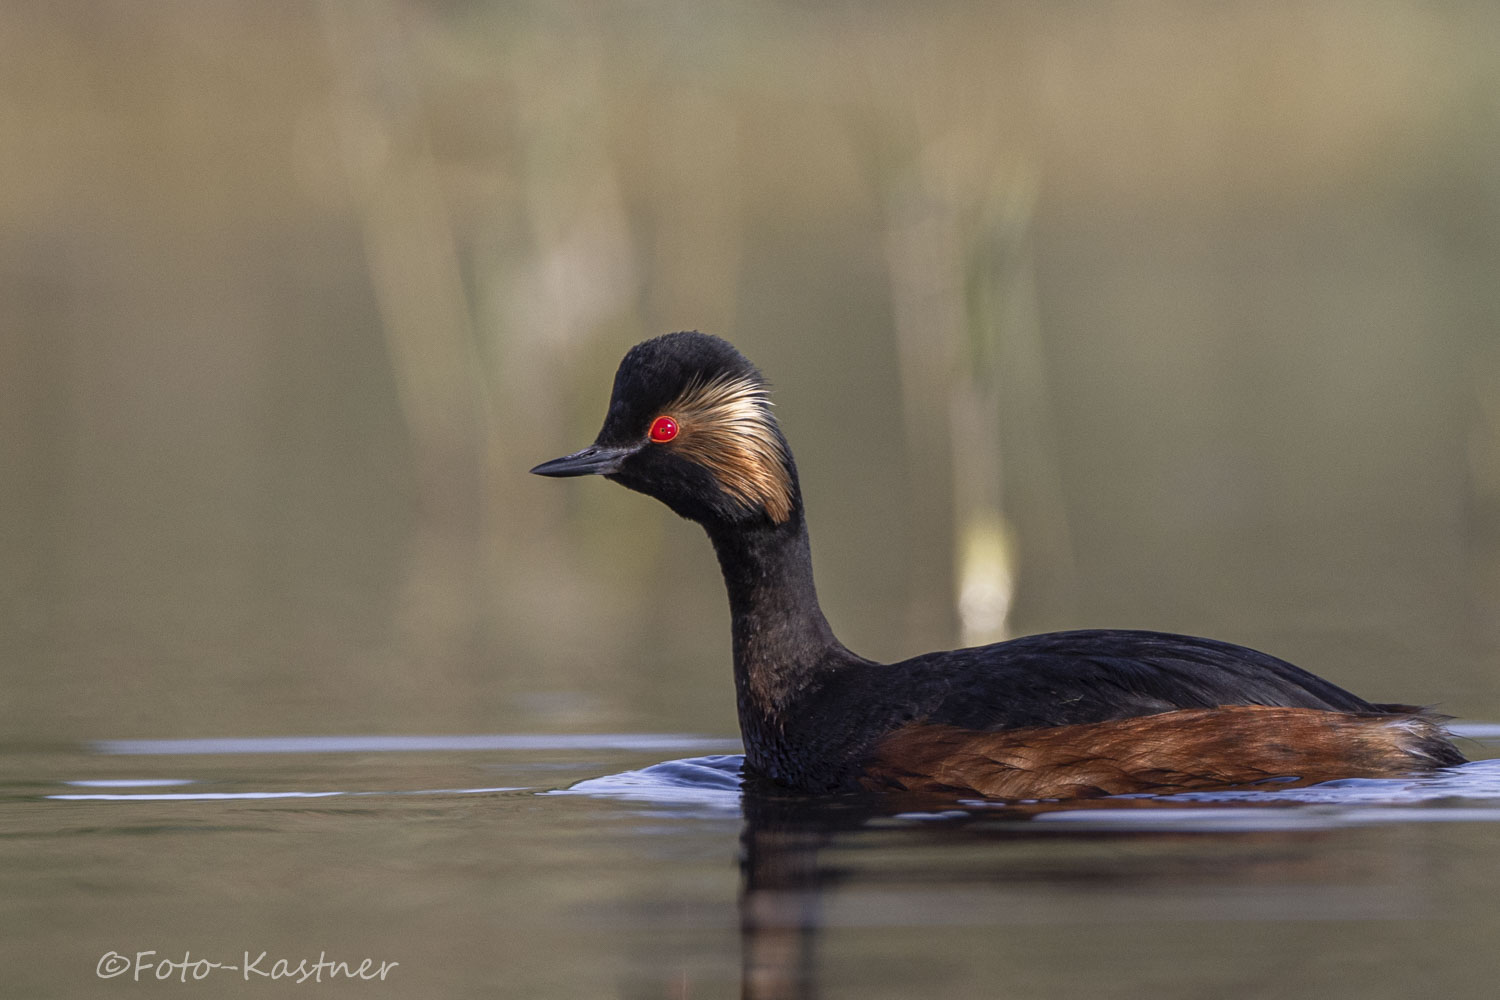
<point>781,639</point>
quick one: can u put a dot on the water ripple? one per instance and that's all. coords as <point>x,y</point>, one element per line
<point>714,783</point>
<point>706,782</point>
<point>233,796</point>
<point>399,744</point>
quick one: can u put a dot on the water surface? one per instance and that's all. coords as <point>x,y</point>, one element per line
<point>603,865</point>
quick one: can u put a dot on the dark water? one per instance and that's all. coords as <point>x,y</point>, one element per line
<point>586,866</point>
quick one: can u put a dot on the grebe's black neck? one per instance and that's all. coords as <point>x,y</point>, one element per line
<point>782,642</point>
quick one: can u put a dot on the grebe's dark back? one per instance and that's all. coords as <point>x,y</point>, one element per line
<point>1045,716</point>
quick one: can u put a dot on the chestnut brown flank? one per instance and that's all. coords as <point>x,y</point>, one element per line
<point>1189,748</point>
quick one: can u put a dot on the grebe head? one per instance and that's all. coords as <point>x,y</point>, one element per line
<point>690,424</point>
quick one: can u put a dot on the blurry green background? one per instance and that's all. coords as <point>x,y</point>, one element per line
<point>1173,315</point>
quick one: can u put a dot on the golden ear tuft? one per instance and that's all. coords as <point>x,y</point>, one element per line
<point>726,427</point>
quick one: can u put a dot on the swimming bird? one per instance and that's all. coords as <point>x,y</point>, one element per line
<point>1056,715</point>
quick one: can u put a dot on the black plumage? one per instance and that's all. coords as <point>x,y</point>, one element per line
<point>813,714</point>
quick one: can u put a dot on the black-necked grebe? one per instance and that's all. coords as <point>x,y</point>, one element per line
<point>1058,715</point>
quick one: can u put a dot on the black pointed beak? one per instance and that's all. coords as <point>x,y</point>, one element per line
<point>595,460</point>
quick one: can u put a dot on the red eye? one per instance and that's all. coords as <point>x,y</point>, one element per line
<point>663,429</point>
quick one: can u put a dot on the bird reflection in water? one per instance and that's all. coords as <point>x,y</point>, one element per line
<point>1253,861</point>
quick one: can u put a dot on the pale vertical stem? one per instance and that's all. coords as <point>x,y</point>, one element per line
<point>926,304</point>
<point>409,245</point>
<point>986,563</point>
<point>1026,414</point>
<point>968,330</point>
<point>413,262</point>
